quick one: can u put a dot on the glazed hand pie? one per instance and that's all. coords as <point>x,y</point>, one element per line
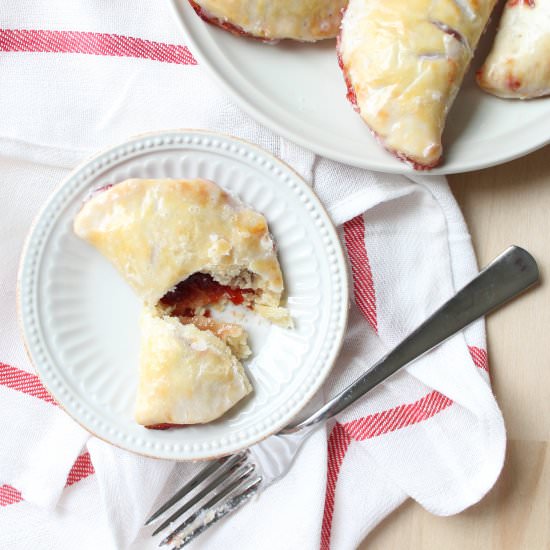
<point>187,375</point>
<point>185,244</point>
<point>403,61</point>
<point>304,20</point>
<point>518,65</point>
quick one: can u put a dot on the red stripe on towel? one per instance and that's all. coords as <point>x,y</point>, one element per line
<point>363,286</point>
<point>9,495</point>
<point>480,357</point>
<point>81,469</point>
<point>338,443</point>
<point>24,381</point>
<point>375,425</point>
<point>93,43</point>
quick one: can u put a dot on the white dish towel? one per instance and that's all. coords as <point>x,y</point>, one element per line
<point>78,76</point>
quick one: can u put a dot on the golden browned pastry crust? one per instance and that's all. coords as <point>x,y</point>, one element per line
<point>304,20</point>
<point>159,232</point>
<point>404,61</point>
<point>187,375</point>
<point>518,65</point>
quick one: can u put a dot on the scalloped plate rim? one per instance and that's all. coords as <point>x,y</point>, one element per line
<point>21,289</point>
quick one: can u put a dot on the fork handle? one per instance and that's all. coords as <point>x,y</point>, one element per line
<point>505,277</point>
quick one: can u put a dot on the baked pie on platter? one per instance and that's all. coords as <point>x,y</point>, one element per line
<point>303,20</point>
<point>186,246</point>
<point>403,62</point>
<point>518,65</point>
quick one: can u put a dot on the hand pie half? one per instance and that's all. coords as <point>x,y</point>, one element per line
<point>304,20</point>
<point>403,61</point>
<point>185,244</point>
<point>518,65</point>
<point>187,375</point>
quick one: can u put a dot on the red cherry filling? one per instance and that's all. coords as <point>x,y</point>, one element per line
<point>199,290</point>
<point>528,3</point>
<point>513,83</point>
<point>97,191</point>
<point>103,188</point>
<point>350,95</point>
<point>164,426</point>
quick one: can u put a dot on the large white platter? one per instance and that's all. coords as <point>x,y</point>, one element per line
<point>298,91</point>
<point>80,319</point>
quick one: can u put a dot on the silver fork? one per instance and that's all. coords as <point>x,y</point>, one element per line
<point>232,480</point>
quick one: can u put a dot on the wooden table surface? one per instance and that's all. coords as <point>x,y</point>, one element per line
<point>507,204</point>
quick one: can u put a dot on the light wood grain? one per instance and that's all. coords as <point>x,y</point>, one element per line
<point>508,204</point>
<point>513,516</point>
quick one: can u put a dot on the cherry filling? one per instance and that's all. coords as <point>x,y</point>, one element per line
<point>199,290</point>
<point>103,188</point>
<point>528,3</point>
<point>513,83</point>
<point>164,426</point>
<point>350,95</point>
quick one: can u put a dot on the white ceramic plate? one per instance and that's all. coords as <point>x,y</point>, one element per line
<point>298,91</point>
<point>80,319</point>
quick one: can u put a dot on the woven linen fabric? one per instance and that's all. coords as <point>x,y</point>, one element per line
<point>79,76</point>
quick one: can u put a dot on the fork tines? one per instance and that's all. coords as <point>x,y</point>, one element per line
<point>206,516</point>
<point>230,478</point>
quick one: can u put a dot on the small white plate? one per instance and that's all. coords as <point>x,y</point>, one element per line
<point>298,91</point>
<point>80,319</point>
